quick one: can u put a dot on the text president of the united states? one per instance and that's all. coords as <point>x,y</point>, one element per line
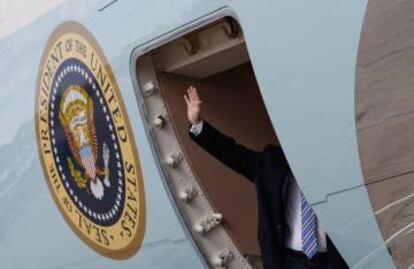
<point>289,233</point>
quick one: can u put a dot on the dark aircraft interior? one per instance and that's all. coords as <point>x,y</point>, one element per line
<point>215,60</point>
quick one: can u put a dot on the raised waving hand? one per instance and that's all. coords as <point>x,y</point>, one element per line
<point>194,103</point>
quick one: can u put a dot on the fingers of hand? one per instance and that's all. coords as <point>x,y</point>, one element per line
<point>194,94</point>
<point>187,100</point>
<point>188,96</point>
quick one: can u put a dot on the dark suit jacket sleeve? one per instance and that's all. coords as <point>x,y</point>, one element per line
<point>226,150</point>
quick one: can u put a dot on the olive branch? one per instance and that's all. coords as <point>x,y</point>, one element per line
<point>77,175</point>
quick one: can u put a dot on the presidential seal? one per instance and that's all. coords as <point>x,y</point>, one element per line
<point>86,146</point>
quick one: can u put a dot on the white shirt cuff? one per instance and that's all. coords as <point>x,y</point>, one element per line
<point>196,129</point>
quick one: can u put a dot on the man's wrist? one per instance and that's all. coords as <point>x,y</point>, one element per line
<point>196,121</point>
<point>197,128</point>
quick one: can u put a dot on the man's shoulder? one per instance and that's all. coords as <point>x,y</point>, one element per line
<point>272,149</point>
<point>274,154</point>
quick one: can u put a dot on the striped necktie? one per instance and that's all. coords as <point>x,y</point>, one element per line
<point>309,234</point>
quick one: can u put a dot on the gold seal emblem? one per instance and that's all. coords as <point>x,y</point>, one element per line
<point>86,146</point>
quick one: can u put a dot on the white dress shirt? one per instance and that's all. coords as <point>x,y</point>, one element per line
<point>292,201</point>
<point>197,128</point>
<point>293,217</point>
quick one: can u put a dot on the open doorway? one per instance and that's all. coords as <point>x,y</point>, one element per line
<point>213,58</point>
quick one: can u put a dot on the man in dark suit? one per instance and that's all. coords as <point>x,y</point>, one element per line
<point>289,234</point>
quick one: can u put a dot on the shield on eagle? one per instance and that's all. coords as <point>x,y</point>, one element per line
<point>77,119</point>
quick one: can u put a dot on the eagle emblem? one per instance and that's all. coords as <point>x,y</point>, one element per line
<point>76,116</point>
<point>86,146</point>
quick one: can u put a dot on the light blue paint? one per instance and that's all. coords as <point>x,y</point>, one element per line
<point>306,74</point>
<point>32,230</point>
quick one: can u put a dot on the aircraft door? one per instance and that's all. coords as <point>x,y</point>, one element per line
<point>304,56</point>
